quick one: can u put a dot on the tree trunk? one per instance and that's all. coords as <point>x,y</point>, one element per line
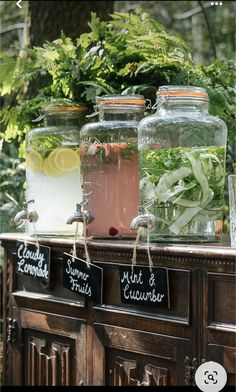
<point>197,34</point>
<point>45,20</point>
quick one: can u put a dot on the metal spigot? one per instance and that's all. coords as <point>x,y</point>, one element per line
<point>23,215</point>
<point>80,216</point>
<point>143,219</point>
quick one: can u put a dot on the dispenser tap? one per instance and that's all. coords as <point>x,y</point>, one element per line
<point>80,216</point>
<point>143,219</point>
<point>23,215</point>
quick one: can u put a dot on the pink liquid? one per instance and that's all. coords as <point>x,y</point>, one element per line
<point>113,194</point>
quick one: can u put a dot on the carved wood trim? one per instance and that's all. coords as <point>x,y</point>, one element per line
<point>7,322</point>
<point>122,371</point>
<point>125,247</point>
<point>51,368</point>
<point>124,256</point>
<point>159,374</point>
<point>125,373</point>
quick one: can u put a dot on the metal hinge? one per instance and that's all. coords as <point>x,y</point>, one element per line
<point>11,331</point>
<point>191,366</point>
<point>190,369</point>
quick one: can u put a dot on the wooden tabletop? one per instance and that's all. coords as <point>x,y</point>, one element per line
<point>198,250</point>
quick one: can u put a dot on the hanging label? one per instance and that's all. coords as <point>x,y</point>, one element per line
<point>141,286</point>
<point>33,260</point>
<point>84,280</point>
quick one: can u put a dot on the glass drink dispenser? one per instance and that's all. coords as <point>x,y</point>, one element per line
<point>109,157</point>
<point>182,166</point>
<point>53,169</point>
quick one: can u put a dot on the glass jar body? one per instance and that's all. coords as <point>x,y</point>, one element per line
<point>109,155</point>
<point>182,152</point>
<point>53,177</point>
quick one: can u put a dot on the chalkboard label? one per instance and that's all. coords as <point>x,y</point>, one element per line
<point>84,280</point>
<point>141,286</point>
<point>33,260</point>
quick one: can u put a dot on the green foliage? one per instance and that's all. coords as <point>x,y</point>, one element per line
<point>11,191</point>
<point>132,53</point>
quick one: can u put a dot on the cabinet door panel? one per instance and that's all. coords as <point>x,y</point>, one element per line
<point>127,368</point>
<point>49,359</point>
<point>226,356</point>
<point>54,353</point>
<point>219,309</point>
<point>221,300</point>
<point>125,357</point>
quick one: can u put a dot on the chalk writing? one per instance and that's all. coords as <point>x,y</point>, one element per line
<point>142,286</point>
<point>33,260</point>
<point>80,278</point>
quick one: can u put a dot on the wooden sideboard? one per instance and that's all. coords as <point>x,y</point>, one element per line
<point>53,336</point>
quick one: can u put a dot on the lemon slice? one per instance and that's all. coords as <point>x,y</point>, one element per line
<point>66,159</point>
<point>49,166</point>
<point>34,161</point>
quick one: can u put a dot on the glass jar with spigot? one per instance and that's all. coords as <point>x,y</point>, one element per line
<point>109,156</point>
<point>182,151</point>
<point>53,168</point>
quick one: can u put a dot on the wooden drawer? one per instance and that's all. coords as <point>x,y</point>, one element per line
<point>180,296</point>
<point>53,297</point>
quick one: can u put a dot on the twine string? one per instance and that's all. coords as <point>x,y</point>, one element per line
<point>36,235</point>
<point>75,239</point>
<point>87,257</point>
<point>150,262</point>
<point>134,258</point>
<point>26,230</point>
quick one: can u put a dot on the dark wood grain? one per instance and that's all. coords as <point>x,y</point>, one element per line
<point>81,343</point>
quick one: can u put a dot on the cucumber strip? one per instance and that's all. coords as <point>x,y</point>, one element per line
<point>210,156</point>
<point>184,219</point>
<point>175,190</point>
<point>207,196</point>
<point>169,179</point>
<point>200,176</point>
<point>148,188</point>
<point>187,203</point>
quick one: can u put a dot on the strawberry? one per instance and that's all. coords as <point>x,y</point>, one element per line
<point>113,231</point>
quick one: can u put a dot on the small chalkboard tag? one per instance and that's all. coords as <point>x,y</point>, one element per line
<point>33,260</point>
<point>84,280</point>
<point>141,286</point>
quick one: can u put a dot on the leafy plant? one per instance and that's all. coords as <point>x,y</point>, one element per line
<point>132,53</point>
<point>11,190</point>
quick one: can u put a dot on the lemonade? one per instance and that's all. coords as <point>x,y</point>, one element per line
<point>53,181</point>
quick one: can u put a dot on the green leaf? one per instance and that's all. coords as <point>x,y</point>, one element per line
<point>51,54</point>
